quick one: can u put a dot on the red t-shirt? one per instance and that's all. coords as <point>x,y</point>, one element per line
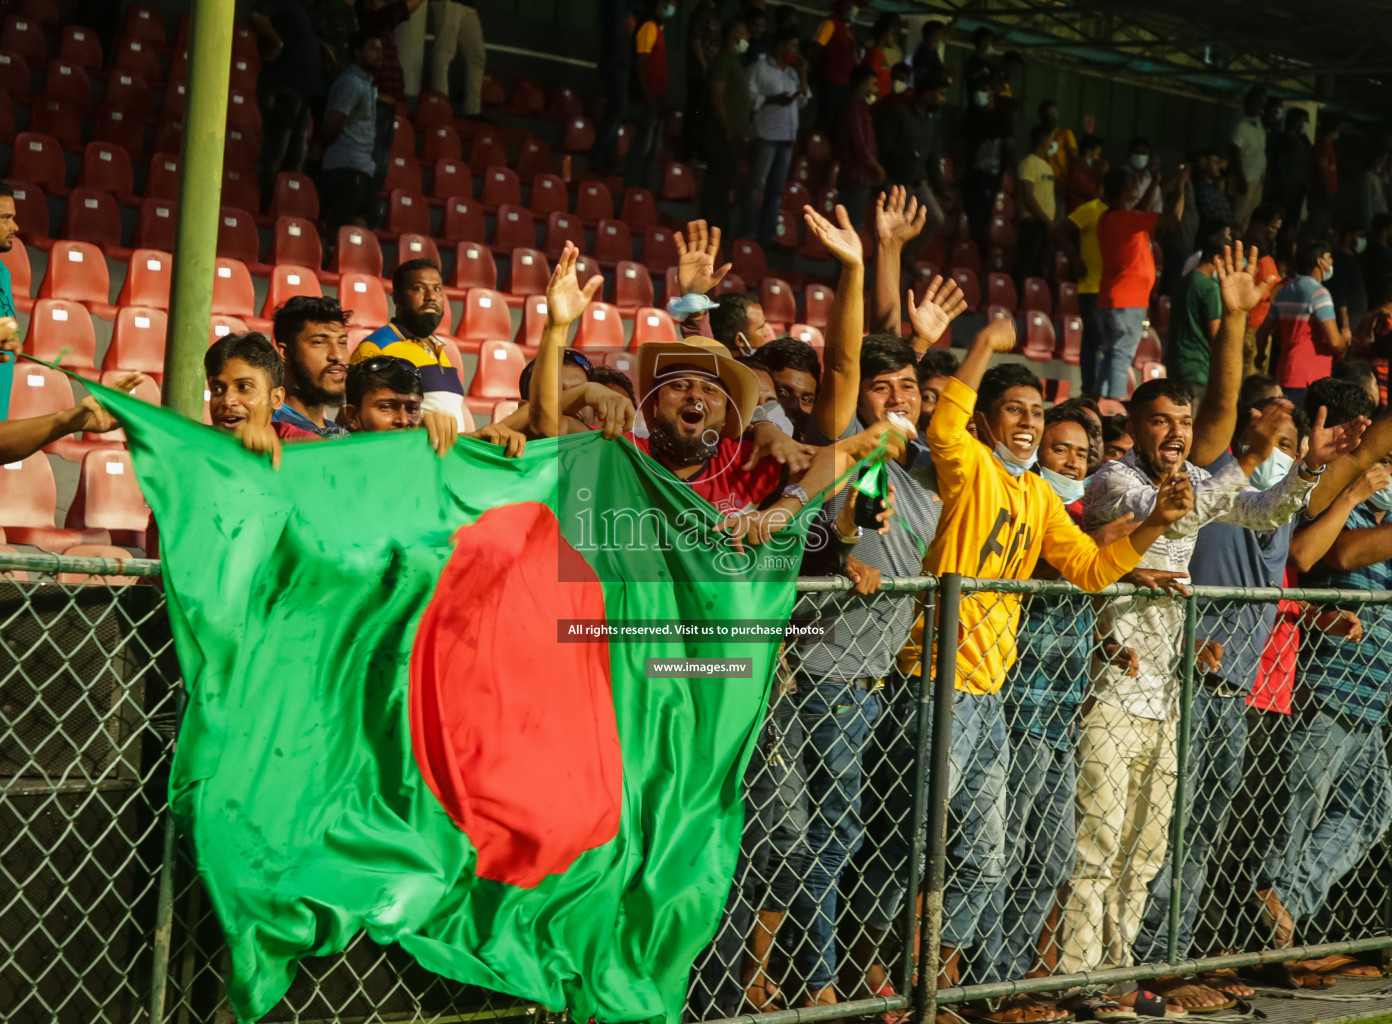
<point>855,141</point>
<point>876,59</point>
<point>838,50</point>
<point>1128,267</point>
<point>724,482</point>
<point>651,40</point>
<point>1276,677</point>
<point>286,431</point>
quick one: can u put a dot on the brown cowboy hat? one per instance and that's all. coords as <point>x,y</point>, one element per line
<point>702,354</point>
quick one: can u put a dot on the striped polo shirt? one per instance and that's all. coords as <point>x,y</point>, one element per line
<point>443,390</point>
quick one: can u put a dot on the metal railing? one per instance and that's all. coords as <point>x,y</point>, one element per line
<point>886,824</point>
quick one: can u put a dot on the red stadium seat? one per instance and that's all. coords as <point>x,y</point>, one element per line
<point>295,240</point>
<point>493,94</point>
<point>28,503</point>
<point>39,391</point>
<point>137,57</point>
<point>237,238</point>
<point>175,100</point>
<point>600,327</point>
<point>488,150</point>
<point>549,195</point>
<point>594,203</point>
<point>128,94</point>
<point>813,249</point>
<point>145,21</point>
<point>288,281</point>
<point>748,261</point>
<point>77,271</point>
<point>93,217</point>
<point>137,341</point>
<point>358,251</point>
<point>406,212</point>
<point>14,77</point>
<point>529,273</point>
<point>533,322</point>
<point>586,267</point>
<point>808,334</point>
<point>68,83</point>
<point>1067,299</point>
<point>16,261</point>
<point>39,159</point>
<point>516,228</point>
<point>612,243</point>
<point>669,282</point>
<point>785,232</point>
<point>403,172</point>
<point>163,182</point>
<point>818,148</point>
<point>633,287</point>
<point>528,99</point>
<point>1004,206</point>
<point>442,143</point>
<point>564,103</point>
<point>500,188</point>
<point>966,256</point>
<point>1039,337</point>
<point>415,247</point>
<point>432,109</point>
<point>31,213</point>
<point>403,137</point>
<point>500,365</point>
<point>659,250</point>
<point>1037,297</point>
<point>58,324</point>
<point>45,12</point>
<point>233,293</point>
<point>147,279</point>
<point>485,317</point>
<point>243,113</point>
<point>295,196</point>
<point>222,325</point>
<point>650,324</point>
<point>25,37</point>
<point>1162,316</point>
<point>534,158</point>
<point>108,498</point>
<point>452,179</point>
<point>625,362</point>
<point>579,135</point>
<point>780,306</point>
<point>1000,291</point>
<point>678,182</point>
<point>639,210</point>
<point>971,288</point>
<point>365,296</point>
<point>1150,350</point>
<point>1152,371</point>
<point>61,120</point>
<point>816,304</point>
<point>464,221</point>
<point>107,168</point>
<point>474,267</point>
<point>239,190</point>
<point>170,137</point>
<point>1071,343</point>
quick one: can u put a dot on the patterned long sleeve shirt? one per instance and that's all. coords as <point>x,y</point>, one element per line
<point>1154,626</point>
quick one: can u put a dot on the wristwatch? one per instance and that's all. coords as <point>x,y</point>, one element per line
<point>1309,474</point>
<point>853,538</point>
<point>796,491</point>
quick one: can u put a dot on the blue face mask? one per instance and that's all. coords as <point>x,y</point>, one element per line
<point>1271,472</point>
<point>1013,464</point>
<point>1066,488</point>
<point>1382,499</point>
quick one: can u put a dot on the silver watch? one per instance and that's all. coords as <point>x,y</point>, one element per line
<point>853,538</point>
<point>796,491</point>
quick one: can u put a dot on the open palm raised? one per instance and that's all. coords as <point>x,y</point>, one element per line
<point>565,299</point>
<point>1241,290</point>
<point>841,238</point>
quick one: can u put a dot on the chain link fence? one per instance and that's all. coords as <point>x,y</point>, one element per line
<point>1162,784</point>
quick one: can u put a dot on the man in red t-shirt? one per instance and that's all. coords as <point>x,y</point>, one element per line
<point>648,93</point>
<point>835,43</point>
<point>1128,269</point>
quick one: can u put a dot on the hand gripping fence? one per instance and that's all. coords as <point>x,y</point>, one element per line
<point>1131,802</point>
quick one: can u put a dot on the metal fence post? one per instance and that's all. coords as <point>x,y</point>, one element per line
<point>927,610</point>
<point>1181,797</point>
<point>164,906</point>
<point>945,677</point>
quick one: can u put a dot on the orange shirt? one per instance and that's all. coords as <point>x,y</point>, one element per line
<point>1128,266</point>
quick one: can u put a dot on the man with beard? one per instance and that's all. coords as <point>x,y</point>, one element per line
<point>419,293</point>
<point>9,326</point>
<point>312,335</point>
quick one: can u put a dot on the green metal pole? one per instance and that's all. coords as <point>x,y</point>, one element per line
<point>923,704</point>
<point>940,767</point>
<point>1181,797</point>
<point>200,192</point>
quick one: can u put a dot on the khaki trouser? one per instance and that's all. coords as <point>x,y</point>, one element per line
<point>410,48</point>
<point>1246,203</point>
<point>1126,788</point>
<point>458,27</point>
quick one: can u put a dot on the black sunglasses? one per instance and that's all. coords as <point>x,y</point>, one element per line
<point>376,364</point>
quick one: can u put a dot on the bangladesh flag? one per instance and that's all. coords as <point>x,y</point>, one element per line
<point>391,729</point>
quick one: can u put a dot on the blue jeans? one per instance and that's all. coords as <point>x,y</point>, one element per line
<point>1217,743</point>
<point>768,171</point>
<point>1040,852</point>
<point>837,719</point>
<point>1340,806</point>
<point>979,763</point>
<point>1120,332</point>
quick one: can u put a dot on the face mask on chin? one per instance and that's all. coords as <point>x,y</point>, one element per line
<point>665,444</point>
<point>1139,161</point>
<point>901,87</point>
<point>1068,489</point>
<point>742,46</point>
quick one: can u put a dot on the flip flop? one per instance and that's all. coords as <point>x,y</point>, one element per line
<point>1218,1008</point>
<point>891,1016</point>
<point>1148,1004</point>
<point>1096,1007</point>
<point>1023,1008</point>
<point>1337,964</point>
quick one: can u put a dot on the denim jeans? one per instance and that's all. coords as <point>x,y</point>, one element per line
<point>284,137</point>
<point>640,165</point>
<point>1217,744</point>
<point>1120,332</point>
<point>837,719</point>
<point>1340,805</point>
<point>768,171</point>
<point>1040,851</point>
<point>1089,352</point>
<point>979,763</point>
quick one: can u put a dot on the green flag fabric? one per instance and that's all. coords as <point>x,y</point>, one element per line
<point>391,730</point>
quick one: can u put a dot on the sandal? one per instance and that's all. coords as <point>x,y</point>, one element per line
<point>1223,979</point>
<point>1015,1011</point>
<point>1192,989</point>
<point>1094,1006</point>
<point>1148,1004</point>
<point>886,991</point>
<point>1340,965</point>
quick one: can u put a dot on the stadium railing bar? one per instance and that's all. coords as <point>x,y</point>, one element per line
<point>102,918</point>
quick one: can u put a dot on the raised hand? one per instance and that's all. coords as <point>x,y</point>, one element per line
<point>1268,424</point>
<point>841,238</point>
<point>93,418</point>
<point>697,251</point>
<point>898,217</point>
<point>1174,500</point>
<point>943,302</point>
<point>1328,443</point>
<point>998,335</point>
<point>770,442</point>
<point>565,299</point>
<point>1240,289</point>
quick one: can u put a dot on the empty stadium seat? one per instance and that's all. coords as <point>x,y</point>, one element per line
<point>580,137</point>
<point>406,212</point>
<point>1037,297</point>
<point>659,249</point>
<point>403,137</point>
<point>678,182</point>
<point>93,217</point>
<point>222,325</point>
<point>613,243</point>
<point>594,203</point>
<point>533,322</point>
<point>107,168</point>
<point>237,238</point>
<point>529,273</point>
<point>163,180</point>
<point>39,159</point>
<point>287,281</point>
<point>433,108</point>
<point>77,271</point>
<point>1039,337</point>
<point>780,305</point>
<point>813,249</point>
<point>233,293</point>
<point>1000,291</point>
<point>239,189</point>
<point>66,82</point>
<point>651,324</point>
<point>295,196</point>
<point>14,76</point>
<point>816,304</point>
<point>809,335</point>
<point>671,287</point>
<point>1070,328</point>
<point>533,158</point>
<point>137,341</point>
<point>966,256</point>
<point>487,150</point>
<point>748,261</point>
<point>1067,299</point>
<point>28,503</point>
<point>500,363</point>
<point>1150,350</point>
<point>16,261</point>
<point>464,221</point>
<point>633,287</point>
<point>600,327</point>
<point>500,188</point>
<point>971,288</point>
<point>442,143</point>
<point>58,324</point>
<point>785,231</point>
<point>516,228</point>
<point>365,296</point>
<point>403,172</point>
<point>108,498</point>
<point>129,94</point>
<point>527,98</point>
<point>144,21</point>
<point>474,267</point>
<point>625,362</point>
<point>731,282</point>
<point>493,93</point>
<point>452,180</point>
<point>639,211</point>
<point>416,247</point>
<point>485,317</point>
<point>358,251</point>
<point>295,240</point>
<point>549,195</point>
<point>563,103</point>
<point>25,37</point>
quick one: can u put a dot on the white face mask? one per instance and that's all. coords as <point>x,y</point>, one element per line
<point>1068,489</point>
<point>669,10</point>
<point>1272,471</point>
<point>1053,148</point>
<point>1382,499</point>
<point>1139,160</point>
<point>901,86</point>
<point>1360,244</point>
<point>981,98</point>
<point>742,46</point>
<point>870,100</point>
